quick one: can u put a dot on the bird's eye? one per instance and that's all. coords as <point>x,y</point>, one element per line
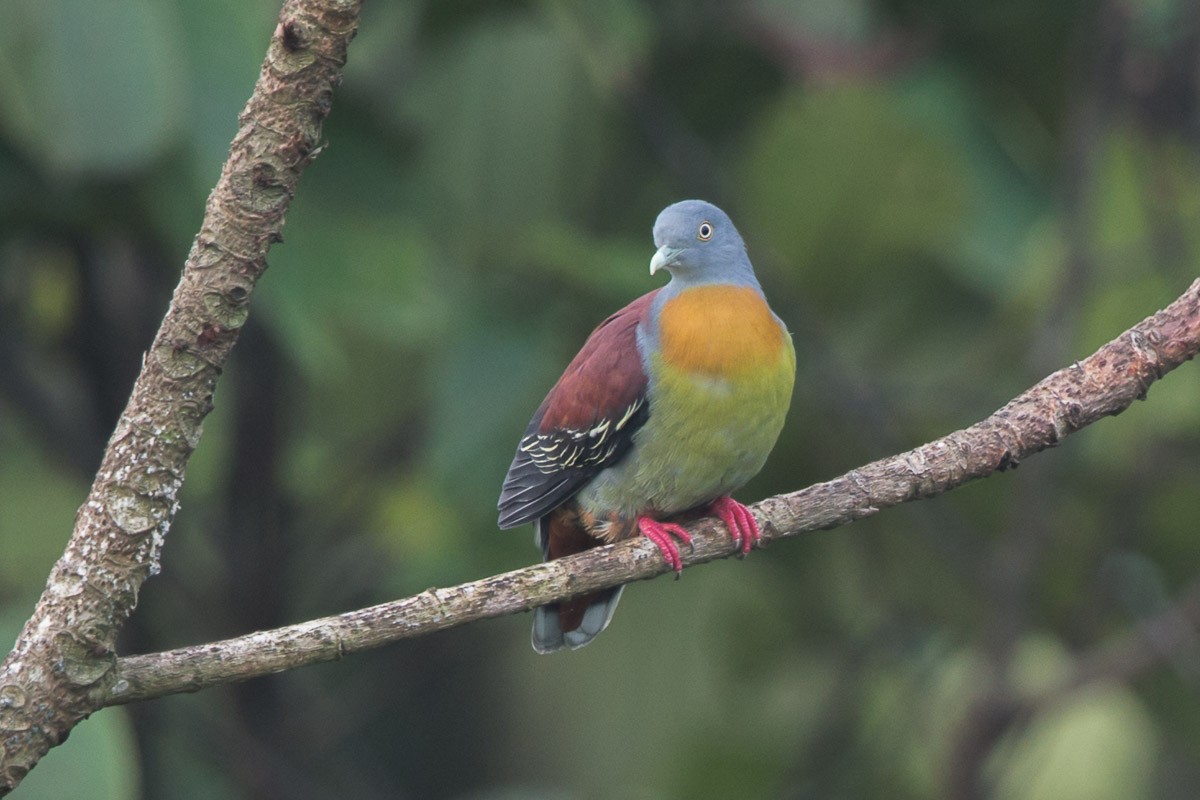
<point>705,231</point>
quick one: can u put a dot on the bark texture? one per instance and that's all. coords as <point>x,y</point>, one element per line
<point>1104,384</point>
<point>63,665</point>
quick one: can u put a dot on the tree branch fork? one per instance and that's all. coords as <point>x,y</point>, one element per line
<point>64,660</point>
<point>64,665</point>
<point>1104,384</point>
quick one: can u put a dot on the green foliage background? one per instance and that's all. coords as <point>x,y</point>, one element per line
<point>944,200</point>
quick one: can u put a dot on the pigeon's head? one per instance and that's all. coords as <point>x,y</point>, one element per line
<point>697,243</point>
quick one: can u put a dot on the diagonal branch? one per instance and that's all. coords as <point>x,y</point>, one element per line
<point>1104,384</point>
<point>63,665</point>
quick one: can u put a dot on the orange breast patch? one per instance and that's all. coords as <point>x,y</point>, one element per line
<point>720,330</point>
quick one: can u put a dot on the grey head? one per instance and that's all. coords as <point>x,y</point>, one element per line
<point>697,243</point>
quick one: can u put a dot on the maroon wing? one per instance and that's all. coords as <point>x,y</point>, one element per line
<point>585,424</point>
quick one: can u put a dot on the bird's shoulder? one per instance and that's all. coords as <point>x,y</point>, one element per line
<point>605,377</point>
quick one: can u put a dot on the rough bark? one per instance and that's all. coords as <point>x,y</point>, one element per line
<point>1104,384</point>
<point>63,665</point>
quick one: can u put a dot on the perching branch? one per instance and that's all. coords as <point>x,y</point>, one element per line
<point>1104,384</point>
<point>64,665</point>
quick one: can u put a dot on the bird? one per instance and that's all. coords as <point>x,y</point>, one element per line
<point>673,403</point>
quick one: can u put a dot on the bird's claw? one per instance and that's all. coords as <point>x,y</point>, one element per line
<point>663,534</point>
<point>742,525</point>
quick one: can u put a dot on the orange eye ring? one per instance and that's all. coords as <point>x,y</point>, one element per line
<point>705,231</point>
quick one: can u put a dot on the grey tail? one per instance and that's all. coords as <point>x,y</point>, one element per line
<point>548,635</point>
<point>585,616</point>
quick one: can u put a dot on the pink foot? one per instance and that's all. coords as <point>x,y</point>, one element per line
<point>660,533</point>
<point>741,523</point>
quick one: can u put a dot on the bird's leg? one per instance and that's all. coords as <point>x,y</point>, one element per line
<point>661,534</point>
<point>741,523</point>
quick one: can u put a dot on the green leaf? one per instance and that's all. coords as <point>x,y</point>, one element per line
<point>841,184</point>
<point>39,505</point>
<point>99,762</point>
<point>352,275</point>
<point>1098,743</point>
<point>90,87</point>
<point>512,130</point>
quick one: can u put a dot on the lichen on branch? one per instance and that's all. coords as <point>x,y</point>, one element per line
<point>1105,383</point>
<point>63,663</point>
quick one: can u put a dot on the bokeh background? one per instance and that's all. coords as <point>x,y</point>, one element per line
<point>945,200</point>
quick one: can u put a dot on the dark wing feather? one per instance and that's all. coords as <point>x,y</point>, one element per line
<point>586,422</point>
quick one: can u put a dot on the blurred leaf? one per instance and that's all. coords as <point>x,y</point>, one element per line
<point>1120,222</point>
<point>42,287</point>
<point>1113,308</point>
<point>38,511</point>
<point>511,131</point>
<point>91,87</point>
<point>222,50</point>
<point>605,269</point>
<point>1039,664</point>
<point>1098,743</point>
<point>99,760</point>
<point>485,378</point>
<point>827,20</point>
<point>840,182</point>
<point>353,275</point>
<point>53,292</point>
<point>1004,149</point>
<point>423,531</point>
<point>613,39</point>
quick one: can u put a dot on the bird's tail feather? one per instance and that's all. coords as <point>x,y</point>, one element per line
<point>576,622</point>
<point>594,612</point>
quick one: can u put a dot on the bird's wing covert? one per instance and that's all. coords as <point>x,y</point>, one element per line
<point>586,422</point>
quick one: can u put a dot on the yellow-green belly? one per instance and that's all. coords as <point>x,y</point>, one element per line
<point>705,437</point>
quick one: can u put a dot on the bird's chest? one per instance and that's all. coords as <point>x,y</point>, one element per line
<point>709,435</point>
<point>720,383</point>
<point>721,376</point>
<point>725,333</point>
